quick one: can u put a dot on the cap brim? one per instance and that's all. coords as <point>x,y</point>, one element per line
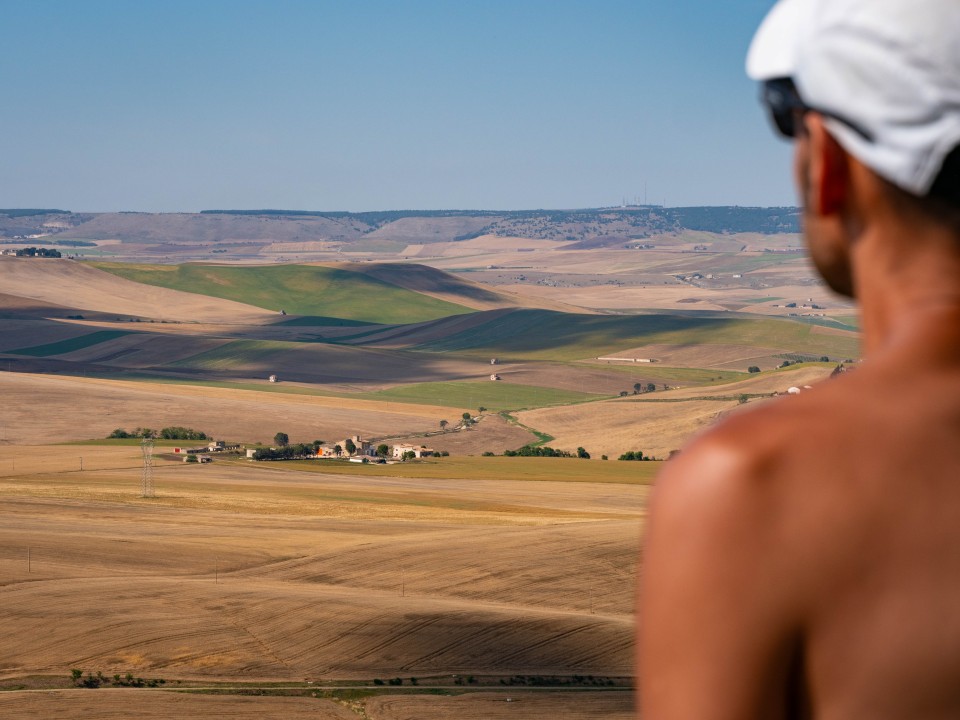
<point>773,52</point>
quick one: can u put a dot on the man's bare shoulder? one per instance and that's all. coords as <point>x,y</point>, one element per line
<point>758,447</point>
<point>765,473</point>
<point>720,579</point>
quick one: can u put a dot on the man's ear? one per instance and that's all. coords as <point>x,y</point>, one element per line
<point>829,168</point>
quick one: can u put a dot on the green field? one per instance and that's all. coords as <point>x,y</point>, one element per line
<point>491,395</point>
<point>757,301</point>
<point>688,376</point>
<point>322,321</point>
<point>238,354</point>
<point>66,346</point>
<point>296,289</point>
<point>549,335</point>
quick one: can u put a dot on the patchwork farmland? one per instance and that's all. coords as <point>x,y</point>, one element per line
<point>322,583</point>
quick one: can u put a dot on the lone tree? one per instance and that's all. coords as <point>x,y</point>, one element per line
<point>481,410</point>
<point>383,450</point>
<point>651,387</point>
<point>443,424</point>
<point>350,446</point>
<point>338,450</point>
<point>753,369</point>
<point>466,416</point>
<point>637,387</point>
<point>581,453</point>
<point>281,439</point>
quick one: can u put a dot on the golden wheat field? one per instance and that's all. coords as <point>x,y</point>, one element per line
<point>267,572</point>
<point>43,409</point>
<point>666,421</point>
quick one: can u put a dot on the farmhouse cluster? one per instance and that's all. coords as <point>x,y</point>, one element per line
<point>355,447</point>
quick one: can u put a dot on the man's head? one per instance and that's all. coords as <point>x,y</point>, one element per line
<point>884,73</point>
<point>865,85</point>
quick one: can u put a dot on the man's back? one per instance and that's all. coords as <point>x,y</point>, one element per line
<point>810,555</point>
<point>803,558</point>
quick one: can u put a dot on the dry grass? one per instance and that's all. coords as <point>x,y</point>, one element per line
<point>659,422</point>
<point>87,288</point>
<point>496,706</point>
<point>43,409</point>
<point>246,571</point>
<point>119,704</point>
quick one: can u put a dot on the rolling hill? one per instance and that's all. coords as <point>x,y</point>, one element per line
<point>531,334</point>
<point>310,290</point>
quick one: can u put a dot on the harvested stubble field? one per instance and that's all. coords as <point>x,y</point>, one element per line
<point>109,704</point>
<point>43,408</point>
<point>500,706</point>
<point>80,286</point>
<point>266,572</point>
<point>659,422</point>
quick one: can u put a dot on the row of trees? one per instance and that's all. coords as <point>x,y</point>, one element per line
<point>174,432</point>
<point>38,252</point>
<point>287,452</point>
<point>92,680</point>
<point>544,451</point>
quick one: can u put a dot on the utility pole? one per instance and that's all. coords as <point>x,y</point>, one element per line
<point>146,479</point>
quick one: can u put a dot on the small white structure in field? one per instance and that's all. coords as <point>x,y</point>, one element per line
<point>793,391</point>
<point>494,361</point>
<point>272,378</point>
<point>494,377</point>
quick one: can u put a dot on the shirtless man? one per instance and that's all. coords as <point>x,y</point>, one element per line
<point>803,558</point>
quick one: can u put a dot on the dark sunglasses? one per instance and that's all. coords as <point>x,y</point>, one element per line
<point>786,108</point>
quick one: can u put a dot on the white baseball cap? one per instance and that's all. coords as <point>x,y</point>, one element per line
<point>885,74</point>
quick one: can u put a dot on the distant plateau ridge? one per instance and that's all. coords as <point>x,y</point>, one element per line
<point>587,228</point>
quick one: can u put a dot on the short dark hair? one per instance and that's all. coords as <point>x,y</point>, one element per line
<point>946,187</point>
<point>942,203</point>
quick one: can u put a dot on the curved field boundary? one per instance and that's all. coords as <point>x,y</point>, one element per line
<point>311,290</point>
<point>66,346</point>
<point>549,335</point>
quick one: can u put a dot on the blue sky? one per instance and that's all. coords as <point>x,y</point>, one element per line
<point>164,105</point>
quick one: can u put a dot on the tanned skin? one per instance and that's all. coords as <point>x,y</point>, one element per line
<point>803,558</point>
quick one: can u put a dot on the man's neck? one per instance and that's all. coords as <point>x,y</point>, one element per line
<point>907,280</point>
